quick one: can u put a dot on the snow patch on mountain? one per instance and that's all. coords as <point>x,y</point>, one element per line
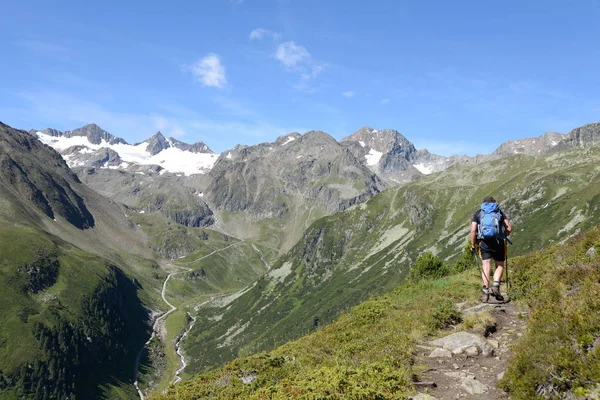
<point>373,157</point>
<point>424,169</point>
<point>289,139</point>
<point>171,159</point>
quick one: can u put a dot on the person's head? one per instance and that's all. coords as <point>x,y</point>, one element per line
<point>489,199</point>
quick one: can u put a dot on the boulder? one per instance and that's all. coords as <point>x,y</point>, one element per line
<point>458,342</point>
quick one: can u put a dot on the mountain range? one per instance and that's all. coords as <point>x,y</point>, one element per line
<point>288,183</point>
<point>258,245</point>
<point>383,151</point>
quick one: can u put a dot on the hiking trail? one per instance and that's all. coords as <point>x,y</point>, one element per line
<point>469,364</point>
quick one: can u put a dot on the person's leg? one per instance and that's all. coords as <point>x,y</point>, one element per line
<point>499,270</point>
<point>497,277</point>
<point>485,276</point>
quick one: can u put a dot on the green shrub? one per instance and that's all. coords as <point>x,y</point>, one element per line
<point>444,314</point>
<point>466,260</point>
<point>428,266</point>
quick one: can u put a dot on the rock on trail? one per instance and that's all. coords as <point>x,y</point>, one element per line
<point>468,365</point>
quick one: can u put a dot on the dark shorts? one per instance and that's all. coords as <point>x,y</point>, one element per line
<point>492,248</point>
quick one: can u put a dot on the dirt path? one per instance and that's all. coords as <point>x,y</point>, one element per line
<point>463,374</point>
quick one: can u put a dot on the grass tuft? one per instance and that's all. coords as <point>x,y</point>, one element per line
<point>560,354</point>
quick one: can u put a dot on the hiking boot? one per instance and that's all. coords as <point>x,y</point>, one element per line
<point>485,297</point>
<point>496,293</point>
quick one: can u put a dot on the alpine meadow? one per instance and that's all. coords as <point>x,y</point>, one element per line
<point>192,205</point>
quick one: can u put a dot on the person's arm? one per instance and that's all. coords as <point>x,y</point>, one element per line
<point>473,234</point>
<point>507,226</point>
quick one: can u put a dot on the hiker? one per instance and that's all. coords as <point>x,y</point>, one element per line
<point>489,228</point>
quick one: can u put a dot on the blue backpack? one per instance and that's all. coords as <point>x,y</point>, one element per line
<point>489,221</point>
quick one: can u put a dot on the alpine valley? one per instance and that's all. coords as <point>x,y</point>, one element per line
<point>125,268</point>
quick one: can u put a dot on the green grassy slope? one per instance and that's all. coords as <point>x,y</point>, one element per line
<point>347,257</point>
<point>62,308</point>
<point>74,280</point>
<point>367,352</point>
<point>560,354</point>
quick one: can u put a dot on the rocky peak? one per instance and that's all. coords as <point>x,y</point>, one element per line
<point>157,143</point>
<point>384,140</point>
<point>317,138</point>
<point>587,135</point>
<point>272,179</point>
<point>384,151</point>
<point>94,134</point>
<point>36,176</point>
<point>51,132</point>
<point>198,147</point>
<point>530,146</point>
<point>285,139</point>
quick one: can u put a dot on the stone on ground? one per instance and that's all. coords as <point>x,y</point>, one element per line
<point>423,396</point>
<point>440,353</point>
<point>472,351</point>
<point>458,342</point>
<point>456,374</point>
<point>478,308</point>
<point>473,386</point>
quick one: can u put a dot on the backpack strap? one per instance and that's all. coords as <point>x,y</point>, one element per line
<point>479,234</point>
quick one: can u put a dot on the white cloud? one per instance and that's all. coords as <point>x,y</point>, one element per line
<point>294,58</point>
<point>290,54</point>
<point>349,93</point>
<point>307,73</point>
<point>385,101</point>
<point>209,71</point>
<point>260,33</point>
<point>316,70</point>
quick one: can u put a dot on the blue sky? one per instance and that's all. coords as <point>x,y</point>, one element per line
<point>453,77</point>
